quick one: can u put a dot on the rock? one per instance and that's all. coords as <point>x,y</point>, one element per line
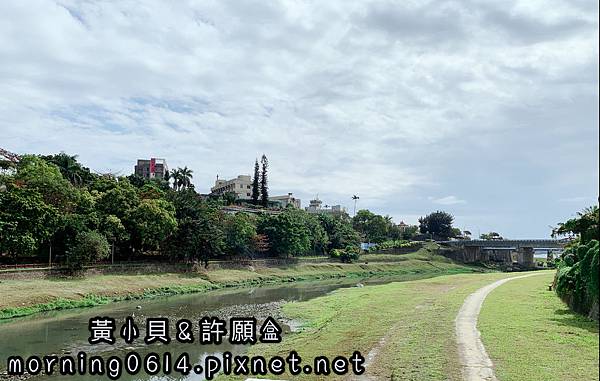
<point>359,285</point>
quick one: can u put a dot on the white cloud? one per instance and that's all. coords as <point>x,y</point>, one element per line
<point>390,100</point>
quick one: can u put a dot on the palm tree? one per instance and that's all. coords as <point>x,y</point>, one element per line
<point>68,166</point>
<point>176,176</point>
<point>186,177</point>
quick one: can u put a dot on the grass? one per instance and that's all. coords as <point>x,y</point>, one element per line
<point>25,297</point>
<point>416,320</point>
<point>531,335</point>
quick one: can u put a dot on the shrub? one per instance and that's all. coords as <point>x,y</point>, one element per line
<point>89,247</point>
<point>576,281</point>
<point>347,255</point>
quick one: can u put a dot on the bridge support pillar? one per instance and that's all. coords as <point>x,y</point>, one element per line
<point>525,256</point>
<point>472,254</point>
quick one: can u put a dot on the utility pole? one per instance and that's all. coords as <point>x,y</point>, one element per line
<point>355,198</point>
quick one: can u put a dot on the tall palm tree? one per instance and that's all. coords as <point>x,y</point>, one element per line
<point>176,176</point>
<point>185,177</point>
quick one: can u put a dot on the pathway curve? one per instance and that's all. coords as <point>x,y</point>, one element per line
<point>475,362</point>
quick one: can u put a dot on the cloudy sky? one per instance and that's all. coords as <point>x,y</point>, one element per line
<point>487,110</point>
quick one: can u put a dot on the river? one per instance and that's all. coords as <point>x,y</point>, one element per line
<point>66,332</point>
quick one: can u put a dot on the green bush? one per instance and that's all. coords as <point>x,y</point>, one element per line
<point>576,281</point>
<point>89,247</point>
<point>347,255</point>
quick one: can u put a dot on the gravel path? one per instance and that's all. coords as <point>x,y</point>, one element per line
<point>475,362</point>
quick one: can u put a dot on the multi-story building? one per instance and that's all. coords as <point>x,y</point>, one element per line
<point>150,169</point>
<point>315,206</point>
<point>241,186</point>
<point>286,200</point>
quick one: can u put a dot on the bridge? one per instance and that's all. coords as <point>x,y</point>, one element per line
<point>505,251</point>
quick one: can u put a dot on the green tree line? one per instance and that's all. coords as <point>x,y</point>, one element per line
<point>53,204</point>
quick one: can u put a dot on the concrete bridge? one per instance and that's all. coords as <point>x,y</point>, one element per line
<point>504,251</point>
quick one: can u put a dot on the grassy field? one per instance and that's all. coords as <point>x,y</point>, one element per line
<point>26,296</point>
<point>415,320</point>
<point>531,335</point>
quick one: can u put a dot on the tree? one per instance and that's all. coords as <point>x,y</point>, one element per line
<point>151,223</point>
<point>200,234</point>
<point>70,168</point>
<point>88,247</point>
<point>339,230</point>
<point>74,206</point>
<point>373,227</point>
<point>176,176</point>
<point>319,240</point>
<point>82,216</point>
<point>46,179</point>
<point>114,231</point>
<point>185,177</point>
<point>347,255</point>
<point>229,198</point>
<point>491,236</point>
<point>438,224</point>
<point>264,187</point>
<point>26,221</point>
<point>456,233</point>
<point>577,280</point>
<point>255,183</point>
<point>119,200</point>
<point>287,232</point>
<point>136,181</point>
<point>240,234</point>
<point>151,190</point>
<point>584,227</point>
<point>409,232</point>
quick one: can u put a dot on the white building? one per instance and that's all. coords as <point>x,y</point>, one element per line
<point>316,206</point>
<point>241,186</point>
<point>286,200</point>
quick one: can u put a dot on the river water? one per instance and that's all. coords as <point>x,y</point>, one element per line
<point>66,332</point>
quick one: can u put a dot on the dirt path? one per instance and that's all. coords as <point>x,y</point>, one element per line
<point>475,362</point>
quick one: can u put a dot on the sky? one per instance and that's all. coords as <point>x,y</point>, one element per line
<point>486,110</point>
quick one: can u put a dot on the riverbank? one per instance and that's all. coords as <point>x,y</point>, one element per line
<point>536,336</point>
<point>21,297</point>
<point>406,331</point>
